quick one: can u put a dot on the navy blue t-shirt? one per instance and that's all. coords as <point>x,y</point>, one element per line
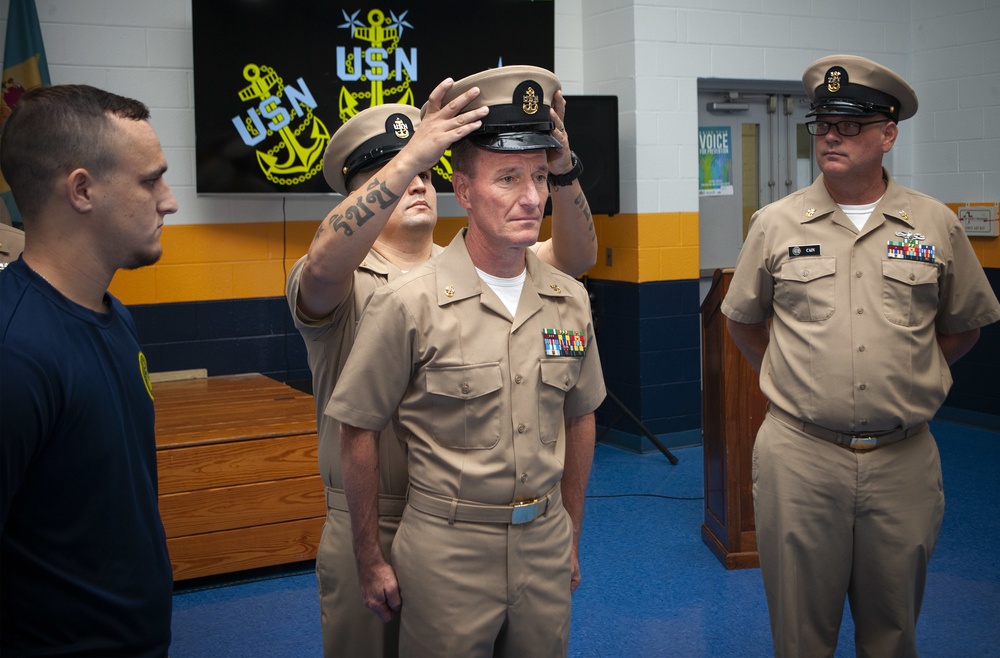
<point>84,568</point>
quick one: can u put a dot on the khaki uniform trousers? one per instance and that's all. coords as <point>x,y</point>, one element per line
<point>484,589</point>
<point>833,522</point>
<point>350,629</point>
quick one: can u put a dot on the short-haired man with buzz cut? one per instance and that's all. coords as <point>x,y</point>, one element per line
<point>84,569</point>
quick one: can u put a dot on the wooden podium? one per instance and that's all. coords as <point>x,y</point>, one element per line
<point>732,410</point>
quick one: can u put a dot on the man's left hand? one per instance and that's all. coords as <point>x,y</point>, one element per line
<point>560,159</point>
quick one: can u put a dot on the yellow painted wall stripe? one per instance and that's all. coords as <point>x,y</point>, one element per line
<point>239,261</point>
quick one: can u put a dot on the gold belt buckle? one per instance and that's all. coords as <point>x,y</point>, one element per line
<point>525,512</point>
<point>864,443</point>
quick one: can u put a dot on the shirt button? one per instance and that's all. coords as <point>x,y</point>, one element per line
<point>518,379</point>
<point>864,421</point>
<point>858,274</point>
<point>465,389</point>
<point>520,428</point>
<point>861,349</point>
<point>805,273</point>
<point>913,277</point>
<point>861,311</point>
<point>524,477</point>
<point>863,386</point>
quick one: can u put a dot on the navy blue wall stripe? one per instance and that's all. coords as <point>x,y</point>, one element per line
<point>649,336</point>
<point>225,337</point>
<point>977,374</point>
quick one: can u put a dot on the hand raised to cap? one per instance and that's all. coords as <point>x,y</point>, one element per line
<point>560,159</point>
<point>441,126</point>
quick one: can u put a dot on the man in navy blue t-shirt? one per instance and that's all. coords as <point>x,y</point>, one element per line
<point>84,568</point>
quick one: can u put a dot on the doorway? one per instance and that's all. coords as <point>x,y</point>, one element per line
<point>770,155</point>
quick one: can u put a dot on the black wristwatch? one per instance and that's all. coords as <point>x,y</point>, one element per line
<point>562,180</point>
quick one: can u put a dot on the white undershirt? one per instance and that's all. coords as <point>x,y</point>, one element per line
<point>508,290</point>
<point>859,214</point>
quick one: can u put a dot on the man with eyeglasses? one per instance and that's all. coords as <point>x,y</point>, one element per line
<point>852,298</point>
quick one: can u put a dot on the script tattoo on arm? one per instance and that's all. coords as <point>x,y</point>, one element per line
<point>379,193</point>
<point>376,193</point>
<point>581,203</point>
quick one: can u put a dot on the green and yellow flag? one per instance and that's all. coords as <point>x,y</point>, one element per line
<point>24,67</point>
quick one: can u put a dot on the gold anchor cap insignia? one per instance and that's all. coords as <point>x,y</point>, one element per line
<point>449,291</point>
<point>400,128</point>
<point>530,101</point>
<point>833,80</point>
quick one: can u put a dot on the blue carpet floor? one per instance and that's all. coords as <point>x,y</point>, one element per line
<point>651,587</point>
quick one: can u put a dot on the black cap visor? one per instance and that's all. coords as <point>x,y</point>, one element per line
<point>369,156</point>
<point>849,107</point>
<point>515,141</point>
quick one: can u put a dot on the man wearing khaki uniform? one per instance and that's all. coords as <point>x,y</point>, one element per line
<point>872,290</point>
<point>485,362</point>
<point>380,161</point>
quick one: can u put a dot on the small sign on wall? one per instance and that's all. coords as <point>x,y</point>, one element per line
<point>980,220</point>
<point>715,161</point>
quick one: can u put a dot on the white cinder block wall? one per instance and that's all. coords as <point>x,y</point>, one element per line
<point>955,64</point>
<point>648,52</point>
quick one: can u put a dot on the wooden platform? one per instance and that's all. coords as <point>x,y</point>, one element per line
<point>239,482</point>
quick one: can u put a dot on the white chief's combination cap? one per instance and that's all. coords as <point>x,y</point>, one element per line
<point>852,85</point>
<point>369,139</point>
<point>519,98</point>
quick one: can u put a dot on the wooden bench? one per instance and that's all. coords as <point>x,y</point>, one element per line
<point>238,475</point>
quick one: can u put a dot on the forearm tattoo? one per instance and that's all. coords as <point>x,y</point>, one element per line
<point>376,194</point>
<point>581,202</point>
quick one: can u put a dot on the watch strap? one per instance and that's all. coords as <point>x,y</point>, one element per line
<point>562,180</point>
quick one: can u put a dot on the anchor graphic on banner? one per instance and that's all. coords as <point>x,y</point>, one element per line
<point>302,161</point>
<point>382,37</point>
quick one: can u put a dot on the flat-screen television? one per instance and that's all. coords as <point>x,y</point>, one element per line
<point>273,79</point>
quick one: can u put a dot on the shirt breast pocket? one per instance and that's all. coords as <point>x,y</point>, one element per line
<point>464,402</point>
<point>806,288</point>
<point>559,375</point>
<point>909,291</point>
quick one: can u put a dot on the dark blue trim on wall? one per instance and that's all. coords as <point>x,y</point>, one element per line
<point>977,374</point>
<point>649,336</point>
<point>225,337</point>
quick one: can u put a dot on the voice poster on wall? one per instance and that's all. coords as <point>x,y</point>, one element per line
<point>274,79</point>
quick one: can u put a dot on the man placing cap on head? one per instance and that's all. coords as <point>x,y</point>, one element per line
<point>381,160</point>
<point>484,362</point>
<point>872,291</point>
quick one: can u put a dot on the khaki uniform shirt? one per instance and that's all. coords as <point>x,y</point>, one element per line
<point>328,342</point>
<point>470,390</point>
<point>853,332</point>
<point>11,244</point>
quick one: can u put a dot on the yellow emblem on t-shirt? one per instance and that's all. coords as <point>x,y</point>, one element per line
<point>144,369</point>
